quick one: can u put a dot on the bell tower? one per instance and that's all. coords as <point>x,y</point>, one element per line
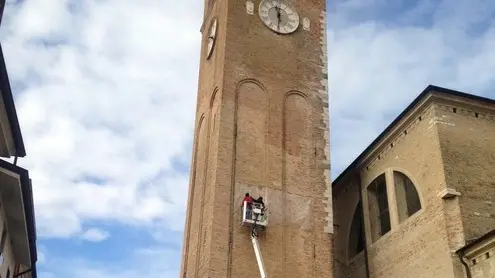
<point>262,127</point>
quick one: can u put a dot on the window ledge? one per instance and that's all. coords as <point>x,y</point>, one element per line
<point>449,193</point>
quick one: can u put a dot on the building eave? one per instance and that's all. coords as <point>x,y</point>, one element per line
<point>473,243</point>
<point>26,199</point>
<point>8,100</point>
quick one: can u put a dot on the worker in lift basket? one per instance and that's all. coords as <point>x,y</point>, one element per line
<point>249,206</point>
<point>260,204</point>
<point>260,201</point>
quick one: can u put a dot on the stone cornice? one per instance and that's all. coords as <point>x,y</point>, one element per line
<point>435,101</point>
<point>398,132</point>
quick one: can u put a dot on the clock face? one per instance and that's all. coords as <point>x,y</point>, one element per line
<point>212,34</point>
<point>279,16</point>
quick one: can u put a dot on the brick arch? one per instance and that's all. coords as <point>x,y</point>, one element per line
<point>192,213</point>
<point>213,111</point>
<point>255,98</point>
<point>213,97</point>
<point>250,80</point>
<point>298,180</point>
<point>294,148</point>
<point>295,92</point>
<point>250,147</point>
<point>205,209</point>
<point>384,172</point>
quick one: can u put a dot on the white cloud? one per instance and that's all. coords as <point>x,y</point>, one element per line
<point>108,100</point>
<point>157,261</point>
<point>106,91</point>
<point>95,235</point>
<point>41,258</point>
<point>377,67</point>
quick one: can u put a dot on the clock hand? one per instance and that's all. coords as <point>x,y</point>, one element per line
<point>278,15</point>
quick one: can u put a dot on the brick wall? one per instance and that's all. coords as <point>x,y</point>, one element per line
<point>480,258</point>
<point>263,131</point>
<point>467,138</point>
<point>437,149</point>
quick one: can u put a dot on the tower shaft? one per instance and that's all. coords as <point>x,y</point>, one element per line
<point>262,127</point>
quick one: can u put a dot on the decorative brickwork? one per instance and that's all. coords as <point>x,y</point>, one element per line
<point>325,119</point>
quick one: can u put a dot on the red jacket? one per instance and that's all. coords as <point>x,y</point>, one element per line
<point>248,199</point>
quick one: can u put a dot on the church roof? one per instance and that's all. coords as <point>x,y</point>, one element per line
<point>471,243</point>
<point>428,91</point>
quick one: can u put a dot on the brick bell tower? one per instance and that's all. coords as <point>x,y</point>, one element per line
<point>262,127</point>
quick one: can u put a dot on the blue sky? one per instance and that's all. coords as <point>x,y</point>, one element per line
<point>106,90</point>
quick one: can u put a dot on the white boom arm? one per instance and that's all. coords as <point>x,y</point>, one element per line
<point>259,258</point>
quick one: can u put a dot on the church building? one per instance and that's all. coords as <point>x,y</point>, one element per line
<point>418,202</point>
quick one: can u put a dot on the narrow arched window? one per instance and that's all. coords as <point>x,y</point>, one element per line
<point>378,207</point>
<point>408,202</point>
<point>356,236</point>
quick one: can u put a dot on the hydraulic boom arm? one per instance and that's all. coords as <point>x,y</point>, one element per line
<point>257,252</point>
